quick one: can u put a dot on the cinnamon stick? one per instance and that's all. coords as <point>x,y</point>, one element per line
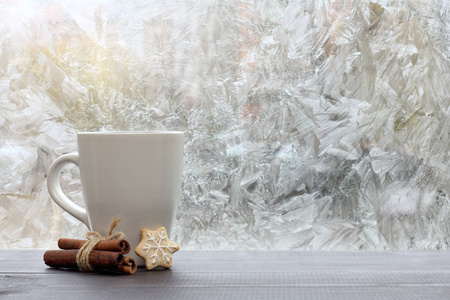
<point>128,266</point>
<point>121,246</point>
<point>99,260</point>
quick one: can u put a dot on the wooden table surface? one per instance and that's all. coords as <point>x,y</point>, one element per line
<point>310,275</point>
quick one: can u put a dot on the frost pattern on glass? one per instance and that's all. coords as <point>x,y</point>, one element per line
<point>311,125</point>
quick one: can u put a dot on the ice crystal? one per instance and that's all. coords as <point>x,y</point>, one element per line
<point>309,124</point>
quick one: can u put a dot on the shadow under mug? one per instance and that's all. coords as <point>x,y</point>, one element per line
<point>135,176</point>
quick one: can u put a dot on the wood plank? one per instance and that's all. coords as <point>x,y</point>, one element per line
<point>241,275</point>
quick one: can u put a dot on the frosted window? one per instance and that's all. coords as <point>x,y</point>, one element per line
<point>311,125</point>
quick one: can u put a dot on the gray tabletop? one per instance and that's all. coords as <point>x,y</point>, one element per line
<point>240,275</point>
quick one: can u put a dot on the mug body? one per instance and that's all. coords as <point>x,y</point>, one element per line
<point>135,176</point>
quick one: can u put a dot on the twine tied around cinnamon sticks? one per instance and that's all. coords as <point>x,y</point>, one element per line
<point>93,238</point>
<point>103,253</point>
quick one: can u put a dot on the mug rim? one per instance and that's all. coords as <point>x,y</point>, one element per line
<point>152,132</point>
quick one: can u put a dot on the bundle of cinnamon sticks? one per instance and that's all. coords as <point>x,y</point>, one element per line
<point>107,256</point>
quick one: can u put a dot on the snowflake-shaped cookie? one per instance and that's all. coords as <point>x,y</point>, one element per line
<point>156,248</point>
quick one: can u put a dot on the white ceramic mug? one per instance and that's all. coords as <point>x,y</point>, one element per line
<point>135,176</point>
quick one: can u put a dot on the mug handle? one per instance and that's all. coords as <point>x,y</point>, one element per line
<point>54,187</point>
